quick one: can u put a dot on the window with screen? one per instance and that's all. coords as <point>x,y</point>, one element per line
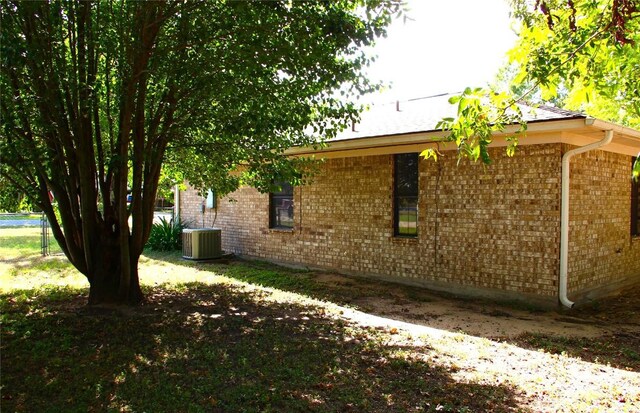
<point>405,195</point>
<point>635,205</point>
<point>281,206</point>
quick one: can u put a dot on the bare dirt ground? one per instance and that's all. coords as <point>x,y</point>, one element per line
<point>580,360</point>
<point>484,318</point>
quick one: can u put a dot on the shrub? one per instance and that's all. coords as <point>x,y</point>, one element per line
<point>166,235</point>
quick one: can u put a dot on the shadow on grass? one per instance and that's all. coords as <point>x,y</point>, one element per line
<point>39,263</point>
<point>215,348</point>
<point>619,350</point>
<point>266,274</point>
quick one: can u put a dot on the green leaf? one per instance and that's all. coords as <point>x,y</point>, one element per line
<point>429,153</point>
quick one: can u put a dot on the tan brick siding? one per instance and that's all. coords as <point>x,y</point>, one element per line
<point>601,249</point>
<point>493,227</point>
<point>498,226</point>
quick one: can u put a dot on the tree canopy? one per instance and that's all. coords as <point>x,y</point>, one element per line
<point>583,55</point>
<point>591,48</point>
<point>98,96</point>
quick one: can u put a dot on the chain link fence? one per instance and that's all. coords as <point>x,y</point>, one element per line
<point>33,228</point>
<point>45,244</point>
<point>31,223</point>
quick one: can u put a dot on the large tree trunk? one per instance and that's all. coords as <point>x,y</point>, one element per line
<point>105,283</point>
<point>106,275</point>
<point>105,288</point>
<point>94,92</point>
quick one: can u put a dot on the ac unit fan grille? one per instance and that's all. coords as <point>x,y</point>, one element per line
<point>202,244</point>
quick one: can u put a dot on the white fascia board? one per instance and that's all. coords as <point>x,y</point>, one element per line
<point>571,131</point>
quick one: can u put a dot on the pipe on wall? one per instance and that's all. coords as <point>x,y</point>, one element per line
<point>564,214</point>
<point>176,203</point>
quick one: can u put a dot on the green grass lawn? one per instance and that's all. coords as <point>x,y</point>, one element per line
<point>211,339</point>
<point>23,242</point>
<point>25,216</point>
<point>18,242</point>
<point>203,342</point>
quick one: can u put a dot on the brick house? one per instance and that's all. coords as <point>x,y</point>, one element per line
<point>378,210</point>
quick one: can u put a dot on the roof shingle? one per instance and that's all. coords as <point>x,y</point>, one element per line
<point>423,114</point>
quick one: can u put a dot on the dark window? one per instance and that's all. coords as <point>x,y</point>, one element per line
<point>635,205</point>
<point>405,195</point>
<point>281,206</point>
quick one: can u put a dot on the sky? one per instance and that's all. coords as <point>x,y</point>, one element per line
<point>448,45</point>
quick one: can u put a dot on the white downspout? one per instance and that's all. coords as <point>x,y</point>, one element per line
<point>564,213</point>
<point>176,203</point>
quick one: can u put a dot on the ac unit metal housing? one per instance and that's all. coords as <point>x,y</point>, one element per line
<point>202,243</point>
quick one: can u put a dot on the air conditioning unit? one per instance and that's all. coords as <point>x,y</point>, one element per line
<point>202,244</point>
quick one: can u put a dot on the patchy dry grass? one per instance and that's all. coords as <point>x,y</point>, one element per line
<point>617,349</point>
<point>210,339</point>
<point>217,347</point>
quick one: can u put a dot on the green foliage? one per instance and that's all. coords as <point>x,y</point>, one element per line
<point>481,114</point>
<point>590,51</point>
<point>168,180</point>
<point>166,235</point>
<point>105,97</point>
<point>12,199</point>
<point>525,90</point>
<point>581,55</point>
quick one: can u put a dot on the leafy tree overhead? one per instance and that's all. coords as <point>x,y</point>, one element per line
<point>583,54</point>
<point>592,48</point>
<point>96,96</point>
<point>11,199</point>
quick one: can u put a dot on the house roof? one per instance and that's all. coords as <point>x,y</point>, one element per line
<point>410,126</point>
<point>423,114</point>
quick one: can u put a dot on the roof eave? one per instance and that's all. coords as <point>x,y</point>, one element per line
<point>435,136</point>
<point>618,129</point>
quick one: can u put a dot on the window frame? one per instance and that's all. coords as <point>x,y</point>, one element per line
<point>285,194</point>
<point>397,197</point>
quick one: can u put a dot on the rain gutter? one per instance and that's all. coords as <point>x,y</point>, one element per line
<point>564,213</point>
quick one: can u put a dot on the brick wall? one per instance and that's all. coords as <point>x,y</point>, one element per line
<point>602,253</point>
<point>481,228</point>
<point>498,226</point>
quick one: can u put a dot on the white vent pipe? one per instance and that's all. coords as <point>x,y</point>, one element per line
<point>176,203</point>
<point>564,213</point>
